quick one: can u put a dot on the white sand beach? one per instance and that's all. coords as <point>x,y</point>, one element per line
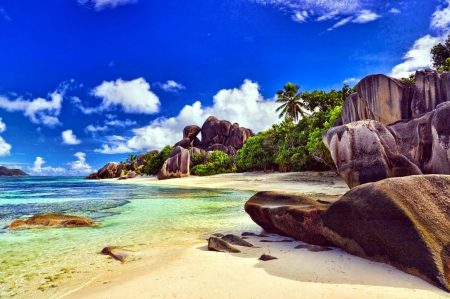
<point>194,272</point>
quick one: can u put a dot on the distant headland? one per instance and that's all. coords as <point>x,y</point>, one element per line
<point>11,172</point>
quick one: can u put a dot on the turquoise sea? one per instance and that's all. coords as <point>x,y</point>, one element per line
<point>46,262</point>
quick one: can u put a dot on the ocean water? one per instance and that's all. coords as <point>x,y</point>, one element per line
<point>46,262</point>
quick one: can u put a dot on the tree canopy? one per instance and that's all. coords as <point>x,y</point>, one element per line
<point>441,53</point>
<point>292,106</point>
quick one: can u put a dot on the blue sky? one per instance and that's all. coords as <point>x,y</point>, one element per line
<point>86,82</point>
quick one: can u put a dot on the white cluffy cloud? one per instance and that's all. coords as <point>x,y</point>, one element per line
<point>4,147</point>
<point>244,105</point>
<point>69,137</point>
<point>132,96</point>
<point>104,4</point>
<point>394,11</point>
<point>419,56</point>
<point>39,111</point>
<point>171,86</point>
<point>80,166</point>
<point>37,168</point>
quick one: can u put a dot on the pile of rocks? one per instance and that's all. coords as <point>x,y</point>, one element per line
<point>216,135</point>
<point>391,128</point>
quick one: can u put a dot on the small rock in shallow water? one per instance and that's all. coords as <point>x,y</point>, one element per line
<point>218,235</point>
<point>313,248</point>
<point>116,253</point>
<point>216,244</point>
<point>266,257</point>
<point>236,240</point>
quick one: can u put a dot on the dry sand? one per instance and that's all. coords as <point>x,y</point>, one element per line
<point>194,272</point>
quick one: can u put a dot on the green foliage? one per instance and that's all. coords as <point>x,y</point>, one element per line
<point>446,66</point>
<point>441,52</point>
<point>196,159</point>
<point>155,162</point>
<point>410,79</point>
<point>217,162</point>
<point>257,152</point>
<point>297,146</point>
<point>131,161</point>
<point>293,105</point>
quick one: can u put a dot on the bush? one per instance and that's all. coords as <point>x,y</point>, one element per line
<point>217,162</point>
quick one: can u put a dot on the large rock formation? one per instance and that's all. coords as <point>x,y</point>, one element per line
<point>177,165</point>
<point>397,145</point>
<point>366,151</point>
<point>215,131</point>
<point>379,98</point>
<point>403,222</point>
<point>295,216</point>
<point>238,136</point>
<point>110,170</point>
<point>432,88</point>
<point>388,100</point>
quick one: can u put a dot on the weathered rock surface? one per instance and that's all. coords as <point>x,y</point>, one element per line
<point>116,253</point>
<point>218,147</point>
<point>131,174</point>
<point>191,132</point>
<point>217,244</point>
<point>425,140</point>
<point>236,240</point>
<point>295,216</point>
<point>403,222</point>
<point>109,171</point>
<point>388,100</point>
<point>366,151</point>
<point>185,142</point>
<point>431,89</point>
<point>177,165</point>
<point>215,131</point>
<point>379,98</point>
<point>238,136</point>
<point>52,220</point>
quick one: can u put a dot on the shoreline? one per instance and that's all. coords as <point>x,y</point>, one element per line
<point>191,271</point>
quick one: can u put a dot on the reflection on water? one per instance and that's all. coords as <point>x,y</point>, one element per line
<point>36,263</point>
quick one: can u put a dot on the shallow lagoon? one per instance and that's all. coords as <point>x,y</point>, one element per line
<point>41,263</point>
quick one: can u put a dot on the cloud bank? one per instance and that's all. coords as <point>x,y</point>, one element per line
<point>244,105</point>
<point>37,168</point>
<point>170,86</point>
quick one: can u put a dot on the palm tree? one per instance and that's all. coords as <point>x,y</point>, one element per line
<point>292,102</point>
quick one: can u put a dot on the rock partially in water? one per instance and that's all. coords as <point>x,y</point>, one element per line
<point>217,244</point>
<point>266,257</point>
<point>52,220</point>
<point>236,240</point>
<point>116,253</point>
<point>403,222</point>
